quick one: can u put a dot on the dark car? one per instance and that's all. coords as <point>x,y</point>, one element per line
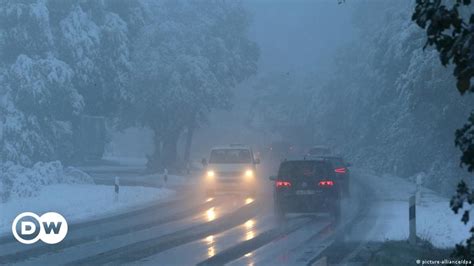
<point>279,150</point>
<point>306,186</point>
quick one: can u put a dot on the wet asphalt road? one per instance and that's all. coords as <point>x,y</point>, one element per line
<point>192,229</point>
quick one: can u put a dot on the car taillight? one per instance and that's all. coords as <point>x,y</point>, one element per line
<point>326,183</point>
<point>283,184</point>
<point>341,170</point>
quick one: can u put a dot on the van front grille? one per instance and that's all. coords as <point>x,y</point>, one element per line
<point>229,174</point>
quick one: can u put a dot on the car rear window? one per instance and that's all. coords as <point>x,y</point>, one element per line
<point>295,169</point>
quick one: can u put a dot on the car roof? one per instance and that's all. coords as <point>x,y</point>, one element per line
<point>325,157</point>
<point>305,160</point>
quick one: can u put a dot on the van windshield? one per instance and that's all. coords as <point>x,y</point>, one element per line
<point>230,156</point>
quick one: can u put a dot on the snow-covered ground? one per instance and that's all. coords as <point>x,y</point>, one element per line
<point>436,222</point>
<point>77,202</point>
<point>173,180</point>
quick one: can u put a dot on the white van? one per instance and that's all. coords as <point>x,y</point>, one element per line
<point>231,167</point>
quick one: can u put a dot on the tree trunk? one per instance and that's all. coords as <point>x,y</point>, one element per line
<point>155,161</point>
<point>170,150</point>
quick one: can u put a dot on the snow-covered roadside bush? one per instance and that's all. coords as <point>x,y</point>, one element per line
<point>17,181</point>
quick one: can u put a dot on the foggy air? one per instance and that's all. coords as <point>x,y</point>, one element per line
<point>236,132</point>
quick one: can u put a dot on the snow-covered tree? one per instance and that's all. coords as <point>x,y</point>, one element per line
<point>60,59</point>
<point>184,65</point>
<point>63,59</point>
<point>388,104</point>
<point>95,43</point>
<point>39,99</point>
<point>38,105</point>
<point>25,28</point>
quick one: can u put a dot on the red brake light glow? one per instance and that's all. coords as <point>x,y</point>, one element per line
<point>283,184</point>
<point>326,183</point>
<point>341,170</point>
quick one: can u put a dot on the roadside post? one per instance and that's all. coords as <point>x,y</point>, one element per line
<point>412,220</point>
<point>419,182</point>
<point>116,188</point>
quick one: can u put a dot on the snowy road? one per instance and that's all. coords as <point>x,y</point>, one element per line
<point>190,230</point>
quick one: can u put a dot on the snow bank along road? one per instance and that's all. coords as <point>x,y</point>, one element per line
<point>192,229</point>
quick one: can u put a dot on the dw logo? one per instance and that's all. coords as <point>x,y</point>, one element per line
<point>28,228</point>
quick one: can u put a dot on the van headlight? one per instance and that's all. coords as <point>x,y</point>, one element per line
<point>210,173</point>
<point>248,173</point>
